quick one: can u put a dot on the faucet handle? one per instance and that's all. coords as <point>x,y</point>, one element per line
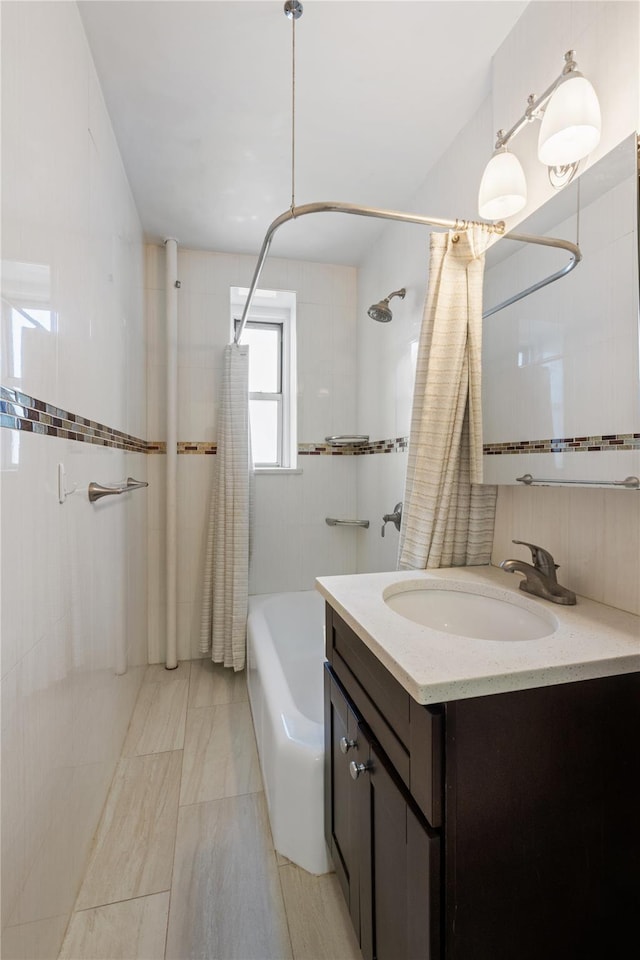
<point>542,559</point>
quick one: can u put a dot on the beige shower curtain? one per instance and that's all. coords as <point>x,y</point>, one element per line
<point>226,585</point>
<point>447,517</point>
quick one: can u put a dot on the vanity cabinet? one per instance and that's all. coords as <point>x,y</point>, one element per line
<point>385,855</point>
<point>500,827</point>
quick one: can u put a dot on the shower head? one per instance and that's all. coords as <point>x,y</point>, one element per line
<point>380,311</point>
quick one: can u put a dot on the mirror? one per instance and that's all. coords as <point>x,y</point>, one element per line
<point>561,381</point>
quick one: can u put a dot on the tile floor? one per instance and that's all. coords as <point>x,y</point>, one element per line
<point>183,865</point>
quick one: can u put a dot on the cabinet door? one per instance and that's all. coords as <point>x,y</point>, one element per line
<point>400,872</point>
<point>344,742</point>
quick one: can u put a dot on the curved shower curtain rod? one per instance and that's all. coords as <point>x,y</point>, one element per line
<point>336,207</point>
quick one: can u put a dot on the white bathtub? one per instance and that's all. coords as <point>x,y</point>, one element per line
<point>285,653</point>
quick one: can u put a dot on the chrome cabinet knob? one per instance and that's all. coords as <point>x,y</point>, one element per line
<point>346,745</point>
<point>355,769</point>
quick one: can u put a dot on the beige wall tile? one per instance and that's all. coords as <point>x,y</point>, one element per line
<point>133,849</point>
<point>158,721</point>
<point>317,915</point>
<point>220,756</point>
<point>226,900</point>
<point>130,930</point>
<point>211,684</point>
<point>594,534</point>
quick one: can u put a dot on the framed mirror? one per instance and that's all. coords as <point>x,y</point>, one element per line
<point>561,368</point>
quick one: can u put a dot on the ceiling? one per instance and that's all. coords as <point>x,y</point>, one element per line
<point>200,95</point>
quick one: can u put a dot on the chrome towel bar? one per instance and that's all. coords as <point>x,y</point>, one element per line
<point>332,522</point>
<point>631,483</point>
<point>98,490</point>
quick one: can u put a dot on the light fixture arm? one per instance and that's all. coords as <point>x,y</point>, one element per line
<point>536,106</point>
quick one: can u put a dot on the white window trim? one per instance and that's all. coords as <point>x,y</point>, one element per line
<point>277,306</point>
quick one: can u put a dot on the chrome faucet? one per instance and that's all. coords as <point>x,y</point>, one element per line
<point>540,579</point>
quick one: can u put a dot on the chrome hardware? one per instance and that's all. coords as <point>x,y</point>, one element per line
<point>346,745</point>
<point>347,439</point>
<point>631,483</point>
<point>293,10</point>
<point>542,559</point>
<point>395,518</point>
<point>98,490</point>
<point>497,228</point>
<point>333,522</point>
<point>355,769</point>
<point>540,578</point>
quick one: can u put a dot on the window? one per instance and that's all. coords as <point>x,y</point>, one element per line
<point>270,336</point>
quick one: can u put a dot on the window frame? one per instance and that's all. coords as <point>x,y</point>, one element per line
<point>275,308</point>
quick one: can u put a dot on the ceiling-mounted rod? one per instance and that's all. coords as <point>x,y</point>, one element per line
<point>338,207</point>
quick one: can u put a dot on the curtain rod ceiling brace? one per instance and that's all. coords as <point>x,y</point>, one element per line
<point>380,214</point>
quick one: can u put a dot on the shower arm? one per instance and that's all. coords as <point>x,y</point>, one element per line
<point>352,208</point>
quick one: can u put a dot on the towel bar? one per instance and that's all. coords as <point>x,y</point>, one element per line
<point>98,490</point>
<point>631,483</point>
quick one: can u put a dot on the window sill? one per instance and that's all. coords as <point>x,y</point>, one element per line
<point>277,471</point>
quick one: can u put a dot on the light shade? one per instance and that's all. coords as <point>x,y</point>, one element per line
<point>571,123</point>
<point>503,188</point>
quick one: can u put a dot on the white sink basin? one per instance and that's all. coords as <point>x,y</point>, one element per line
<point>468,614</point>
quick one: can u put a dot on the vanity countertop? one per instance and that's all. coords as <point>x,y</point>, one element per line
<point>591,639</point>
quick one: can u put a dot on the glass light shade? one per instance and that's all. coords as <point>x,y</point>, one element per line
<point>503,188</point>
<point>571,123</point>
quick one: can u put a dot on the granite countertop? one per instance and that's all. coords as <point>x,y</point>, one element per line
<point>589,640</point>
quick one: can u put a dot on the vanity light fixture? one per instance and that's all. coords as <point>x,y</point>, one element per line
<point>570,129</point>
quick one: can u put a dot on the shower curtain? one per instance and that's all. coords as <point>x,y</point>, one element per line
<point>226,585</point>
<point>447,517</point>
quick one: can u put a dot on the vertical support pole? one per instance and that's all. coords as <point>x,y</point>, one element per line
<point>171,300</point>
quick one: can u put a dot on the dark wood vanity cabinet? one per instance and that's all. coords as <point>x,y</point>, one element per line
<point>503,827</point>
<point>385,855</point>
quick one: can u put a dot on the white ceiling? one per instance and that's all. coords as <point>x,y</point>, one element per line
<point>199,95</point>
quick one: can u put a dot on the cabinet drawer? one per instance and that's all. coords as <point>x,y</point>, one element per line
<point>410,734</point>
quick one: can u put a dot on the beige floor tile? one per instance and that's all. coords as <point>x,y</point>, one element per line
<point>133,850</point>
<point>211,684</point>
<point>158,721</point>
<point>220,756</point>
<point>226,901</point>
<point>130,930</point>
<point>158,673</point>
<point>318,918</point>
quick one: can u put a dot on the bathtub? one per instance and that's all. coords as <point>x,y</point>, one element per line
<point>285,653</point>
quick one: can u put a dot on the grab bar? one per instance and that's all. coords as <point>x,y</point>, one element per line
<point>98,490</point>
<point>631,483</point>
<point>332,522</point>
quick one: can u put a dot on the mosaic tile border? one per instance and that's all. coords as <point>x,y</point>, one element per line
<point>594,444</point>
<point>399,445</point>
<point>19,411</point>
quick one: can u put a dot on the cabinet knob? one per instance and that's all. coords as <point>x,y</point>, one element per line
<point>355,769</point>
<point>346,745</point>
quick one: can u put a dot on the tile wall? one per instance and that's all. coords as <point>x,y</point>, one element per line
<point>74,577</point>
<point>606,36</point>
<point>291,542</point>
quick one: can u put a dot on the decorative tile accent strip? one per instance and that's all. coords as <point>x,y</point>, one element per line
<point>195,446</point>
<point>399,445</point>
<point>599,444</point>
<point>18,411</point>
